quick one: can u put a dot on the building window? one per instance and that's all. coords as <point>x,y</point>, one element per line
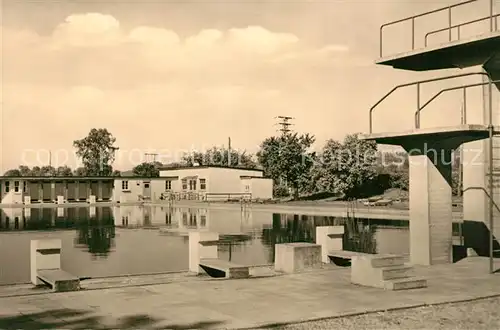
<point>16,186</point>
<point>168,185</point>
<point>184,184</point>
<point>25,186</point>
<point>7,186</point>
<point>192,220</point>
<point>203,184</point>
<point>192,184</point>
<point>247,188</point>
<point>203,220</point>
<point>124,185</point>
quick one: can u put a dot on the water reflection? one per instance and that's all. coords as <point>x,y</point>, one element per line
<point>96,232</point>
<point>359,235</point>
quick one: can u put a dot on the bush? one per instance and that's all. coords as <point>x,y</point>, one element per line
<point>280,191</point>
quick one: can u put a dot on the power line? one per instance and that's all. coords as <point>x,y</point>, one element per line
<point>284,122</point>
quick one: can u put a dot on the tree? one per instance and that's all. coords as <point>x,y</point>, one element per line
<point>80,171</point>
<point>64,171</point>
<point>348,168</point>
<point>25,170</point>
<point>36,171</point>
<point>395,166</point>
<point>149,170</point>
<point>48,171</point>
<point>13,172</point>
<point>219,157</point>
<point>287,158</point>
<point>22,170</point>
<point>97,152</point>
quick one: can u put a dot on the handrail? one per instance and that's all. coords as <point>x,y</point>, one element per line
<point>492,203</point>
<point>464,87</point>
<point>458,26</point>
<point>418,83</point>
<point>412,18</point>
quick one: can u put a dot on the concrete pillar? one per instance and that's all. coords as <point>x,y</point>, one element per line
<point>53,196</point>
<point>60,212</point>
<point>65,193</point>
<point>77,190</point>
<point>430,204</point>
<point>44,254</point>
<point>476,212</point>
<point>40,192</point>
<point>89,190</point>
<point>330,238</point>
<point>92,211</point>
<point>198,251</point>
<point>99,192</point>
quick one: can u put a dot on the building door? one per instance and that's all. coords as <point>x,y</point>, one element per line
<point>146,190</point>
<point>34,188</point>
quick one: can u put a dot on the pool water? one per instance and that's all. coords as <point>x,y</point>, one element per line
<point>112,241</point>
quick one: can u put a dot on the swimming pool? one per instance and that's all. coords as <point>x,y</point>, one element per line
<point>112,241</point>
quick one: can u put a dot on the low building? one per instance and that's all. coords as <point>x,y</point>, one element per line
<point>217,182</point>
<point>26,190</point>
<point>197,182</point>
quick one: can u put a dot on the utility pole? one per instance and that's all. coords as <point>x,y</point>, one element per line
<point>284,122</point>
<point>229,152</point>
<point>147,155</point>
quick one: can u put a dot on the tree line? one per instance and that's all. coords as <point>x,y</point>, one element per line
<point>350,168</point>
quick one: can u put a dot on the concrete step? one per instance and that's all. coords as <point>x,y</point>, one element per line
<point>405,283</point>
<point>388,260</point>
<point>395,272</point>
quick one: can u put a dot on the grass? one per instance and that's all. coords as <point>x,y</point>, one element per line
<point>480,314</point>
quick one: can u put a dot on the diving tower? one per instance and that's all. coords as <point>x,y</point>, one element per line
<point>430,149</point>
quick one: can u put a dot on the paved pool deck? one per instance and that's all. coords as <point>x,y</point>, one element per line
<point>193,302</point>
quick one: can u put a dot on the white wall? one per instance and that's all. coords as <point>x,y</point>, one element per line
<point>227,180</point>
<point>218,180</point>
<point>261,188</point>
<point>11,197</point>
<point>129,195</point>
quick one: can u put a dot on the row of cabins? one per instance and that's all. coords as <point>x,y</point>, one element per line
<point>199,182</point>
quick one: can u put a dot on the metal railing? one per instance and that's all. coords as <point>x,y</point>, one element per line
<point>464,88</point>
<point>492,204</point>
<point>447,8</point>
<point>418,83</point>
<point>458,26</point>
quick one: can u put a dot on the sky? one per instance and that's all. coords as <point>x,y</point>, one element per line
<point>168,77</point>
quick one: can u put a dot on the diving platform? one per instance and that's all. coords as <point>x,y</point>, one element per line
<point>430,180</point>
<point>450,55</point>
<point>430,149</point>
<point>59,280</point>
<point>45,266</point>
<point>452,136</point>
